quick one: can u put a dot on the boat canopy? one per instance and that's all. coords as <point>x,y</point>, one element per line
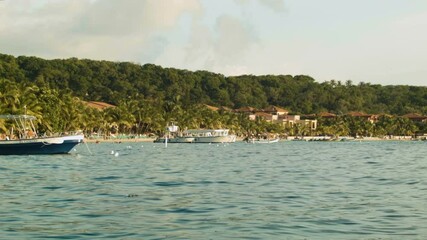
<point>207,132</point>
<point>16,117</point>
<point>23,123</point>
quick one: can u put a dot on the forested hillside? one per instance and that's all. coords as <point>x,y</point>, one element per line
<point>113,82</point>
<point>149,97</point>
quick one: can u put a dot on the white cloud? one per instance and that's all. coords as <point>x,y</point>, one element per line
<point>275,5</point>
<point>228,37</point>
<point>100,29</point>
<point>134,16</point>
<point>222,48</point>
<point>392,54</point>
<point>233,39</point>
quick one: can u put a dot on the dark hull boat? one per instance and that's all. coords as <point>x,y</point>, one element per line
<point>23,138</point>
<point>47,145</point>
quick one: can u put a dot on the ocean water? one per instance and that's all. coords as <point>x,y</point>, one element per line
<point>286,190</point>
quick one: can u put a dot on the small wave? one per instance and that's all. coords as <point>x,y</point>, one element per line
<point>372,162</point>
<point>52,187</point>
<point>186,210</point>
<point>106,178</point>
<point>63,200</point>
<point>293,197</point>
<point>413,182</point>
<point>168,184</point>
<point>92,215</point>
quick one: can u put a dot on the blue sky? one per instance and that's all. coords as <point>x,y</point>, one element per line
<point>375,41</point>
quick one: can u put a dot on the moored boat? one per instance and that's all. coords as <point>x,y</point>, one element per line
<point>274,140</point>
<point>172,135</point>
<point>200,136</point>
<point>175,139</point>
<point>27,141</point>
<point>210,135</point>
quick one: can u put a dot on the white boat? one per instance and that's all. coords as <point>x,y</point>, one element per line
<point>173,136</point>
<point>196,136</point>
<point>175,139</point>
<point>210,135</point>
<point>25,140</point>
<point>275,140</point>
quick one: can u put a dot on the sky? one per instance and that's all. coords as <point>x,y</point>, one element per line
<point>372,41</point>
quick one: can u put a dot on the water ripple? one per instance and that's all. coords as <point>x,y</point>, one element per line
<point>289,190</point>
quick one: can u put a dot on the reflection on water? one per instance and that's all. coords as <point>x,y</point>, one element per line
<point>287,190</point>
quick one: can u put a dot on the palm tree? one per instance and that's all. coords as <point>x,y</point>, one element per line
<point>405,127</point>
<point>232,122</point>
<point>9,96</point>
<point>89,120</point>
<point>385,125</point>
<point>70,114</point>
<point>29,100</point>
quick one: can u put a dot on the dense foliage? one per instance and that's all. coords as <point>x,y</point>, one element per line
<point>149,96</point>
<point>113,82</point>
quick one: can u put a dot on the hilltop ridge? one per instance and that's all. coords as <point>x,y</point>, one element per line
<point>112,82</point>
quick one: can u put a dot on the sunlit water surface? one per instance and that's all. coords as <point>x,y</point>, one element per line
<point>286,190</point>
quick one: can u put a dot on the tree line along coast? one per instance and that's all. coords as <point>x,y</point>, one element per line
<point>106,98</point>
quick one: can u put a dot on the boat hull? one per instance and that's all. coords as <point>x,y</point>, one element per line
<point>215,139</point>
<point>263,141</point>
<point>210,139</point>
<point>50,145</point>
<point>176,140</point>
<point>201,136</point>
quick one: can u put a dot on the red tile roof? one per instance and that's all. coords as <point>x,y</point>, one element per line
<point>359,114</point>
<point>263,114</point>
<point>326,115</point>
<point>225,109</point>
<point>275,109</point>
<point>245,109</point>
<point>414,116</point>
<point>211,107</point>
<point>99,105</point>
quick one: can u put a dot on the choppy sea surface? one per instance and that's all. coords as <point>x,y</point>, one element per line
<point>285,190</point>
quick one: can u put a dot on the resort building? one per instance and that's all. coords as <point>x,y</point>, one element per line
<point>266,116</point>
<point>273,114</point>
<point>246,110</point>
<point>275,110</point>
<point>292,120</point>
<point>278,115</point>
<point>326,115</point>
<point>415,117</point>
<point>369,117</point>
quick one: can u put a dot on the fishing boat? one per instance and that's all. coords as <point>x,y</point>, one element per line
<point>210,135</point>
<point>175,139</point>
<point>275,140</point>
<point>198,136</point>
<point>174,136</point>
<point>24,139</point>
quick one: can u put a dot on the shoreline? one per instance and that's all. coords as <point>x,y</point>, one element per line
<point>240,139</point>
<point>118,140</point>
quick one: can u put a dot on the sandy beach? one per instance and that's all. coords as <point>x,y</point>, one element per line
<point>118,140</point>
<point>290,138</point>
